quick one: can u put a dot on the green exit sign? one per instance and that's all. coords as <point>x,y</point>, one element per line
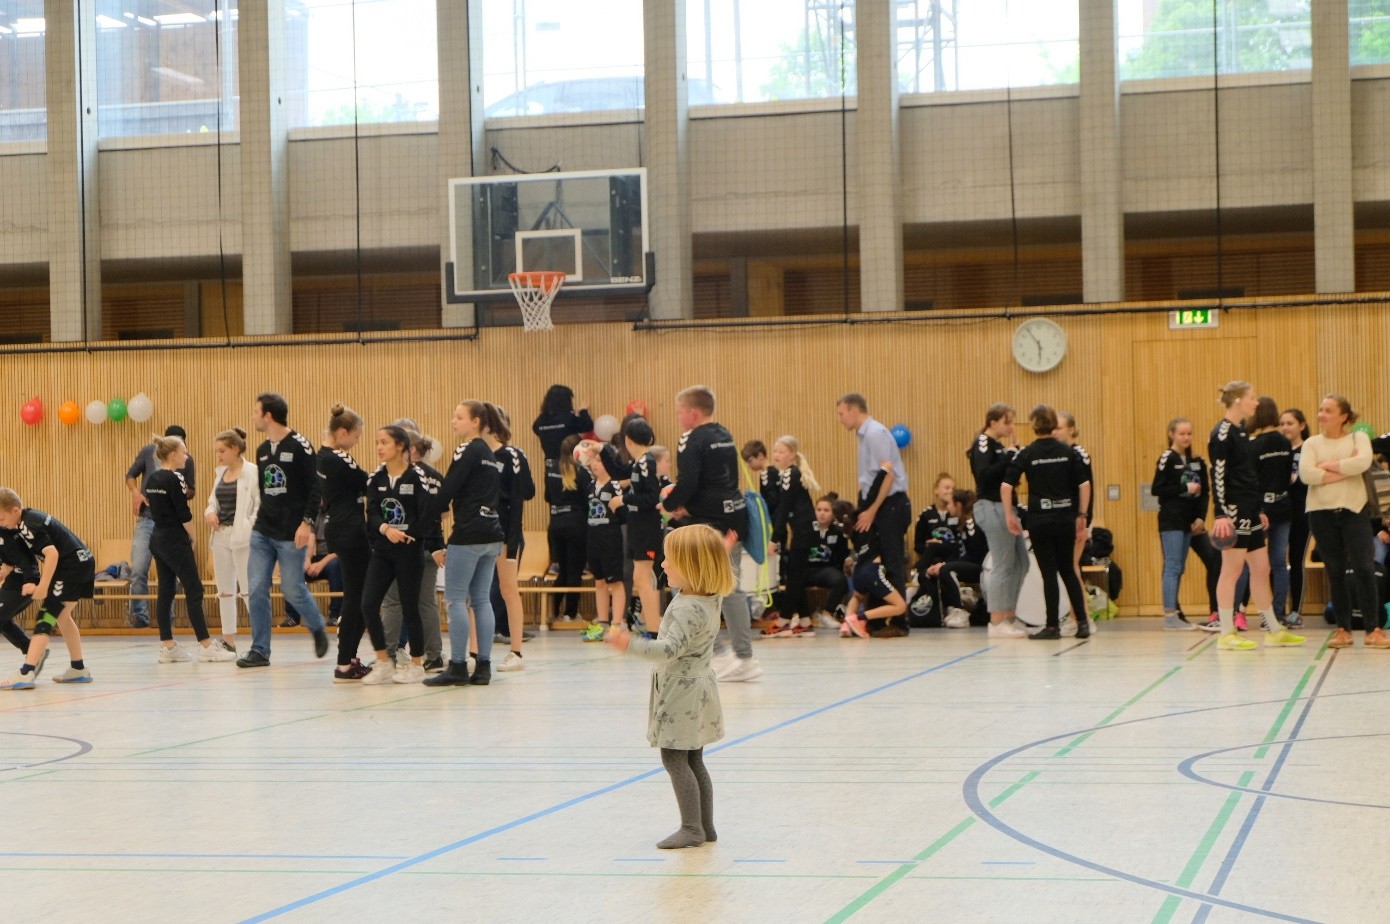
<point>1191,318</point>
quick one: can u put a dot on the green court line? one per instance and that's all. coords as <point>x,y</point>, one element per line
<point>1203,647</point>
<point>1116,714</point>
<point>1199,856</point>
<point>1284,713</point>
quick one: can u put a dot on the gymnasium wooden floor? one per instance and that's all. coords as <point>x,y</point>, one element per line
<point>1142,776</point>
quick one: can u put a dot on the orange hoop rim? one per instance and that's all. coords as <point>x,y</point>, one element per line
<point>542,278</point>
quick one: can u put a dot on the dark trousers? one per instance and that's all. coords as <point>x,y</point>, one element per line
<point>949,579</point>
<point>835,583</point>
<point>890,530</point>
<point>12,603</point>
<point>353,559</point>
<point>1298,549</point>
<point>175,563</point>
<point>1211,561</point>
<point>1348,554</point>
<point>568,547</point>
<point>401,566</point>
<point>1052,547</point>
<point>796,571</point>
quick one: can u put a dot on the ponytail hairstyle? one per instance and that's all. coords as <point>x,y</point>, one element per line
<point>1344,406</point>
<point>498,423</point>
<point>1232,392</point>
<point>422,444</point>
<point>1068,418</point>
<point>166,446</point>
<point>1044,420</point>
<point>234,438</point>
<point>965,499</point>
<point>808,477</point>
<point>996,412</point>
<point>569,476</point>
<point>1172,428</point>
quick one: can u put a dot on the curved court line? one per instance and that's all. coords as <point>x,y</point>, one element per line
<point>82,748</point>
<point>594,794</point>
<point>1185,768</point>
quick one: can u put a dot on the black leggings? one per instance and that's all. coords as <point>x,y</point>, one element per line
<point>1348,555</point>
<point>568,547</point>
<point>353,559</point>
<point>796,571</point>
<point>1211,561</point>
<point>949,579</point>
<point>1053,544</point>
<point>835,583</point>
<point>1298,548</point>
<point>401,565</point>
<point>175,564</point>
<point>12,603</point>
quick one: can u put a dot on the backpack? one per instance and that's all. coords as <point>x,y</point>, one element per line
<point>924,612</point>
<point>759,519</point>
<point>1100,545</point>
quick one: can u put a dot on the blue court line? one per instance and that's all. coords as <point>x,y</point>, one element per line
<point>1185,768</point>
<point>211,856</point>
<point>588,796</point>
<point>1229,863</point>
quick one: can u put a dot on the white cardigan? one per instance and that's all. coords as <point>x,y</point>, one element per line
<point>248,502</point>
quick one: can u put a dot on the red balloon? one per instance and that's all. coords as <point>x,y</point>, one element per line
<point>32,411</point>
<point>638,406</point>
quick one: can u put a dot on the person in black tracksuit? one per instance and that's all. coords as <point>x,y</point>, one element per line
<point>1058,497</point>
<point>1294,426</point>
<point>171,544</point>
<point>1180,483</point>
<point>1273,461</point>
<point>793,520</point>
<point>604,550</point>
<point>400,509</point>
<point>516,487</point>
<point>642,498</point>
<point>556,422</point>
<point>342,485</point>
<point>568,529</point>
<point>826,555</point>
<point>1067,432</point>
<point>958,559</point>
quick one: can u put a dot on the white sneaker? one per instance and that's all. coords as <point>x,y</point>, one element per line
<point>956,618</point>
<point>1068,628</point>
<point>1008,628</point>
<point>381,672</point>
<point>827,621</point>
<point>722,661</point>
<point>214,651</point>
<point>742,669</point>
<point>411,673</point>
<point>173,655</point>
<point>514,662</point>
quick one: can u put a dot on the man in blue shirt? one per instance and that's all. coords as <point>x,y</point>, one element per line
<point>884,508</point>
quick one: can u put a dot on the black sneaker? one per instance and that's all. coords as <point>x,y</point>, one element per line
<point>482,673</point>
<point>499,639</point>
<point>335,621</point>
<point>320,643</point>
<point>253,658</point>
<point>347,673</point>
<point>1083,628</point>
<point>138,622</point>
<point>455,675</point>
<point>434,665</point>
<point>1052,633</point>
<point>290,622</point>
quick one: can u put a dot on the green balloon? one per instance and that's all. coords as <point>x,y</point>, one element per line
<point>116,409</point>
<point>1363,427</point>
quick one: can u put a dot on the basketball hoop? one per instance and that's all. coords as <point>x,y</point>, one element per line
<point>534,292</point>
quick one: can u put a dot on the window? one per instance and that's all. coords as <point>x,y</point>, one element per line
<point>981,44</point>
<point>23,116</point>
<point>1185,38</point>
<point>393,76</point>
<point>548,56</point>
<point>166,67</point>
<point>749,51</point>
<point>1370,31</point>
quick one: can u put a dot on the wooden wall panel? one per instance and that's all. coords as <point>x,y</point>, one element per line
<point>935,376</point>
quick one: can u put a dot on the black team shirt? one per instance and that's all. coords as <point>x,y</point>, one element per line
<point>707,485</point>
<point>406,503</point>
<point>1055,475</point>
<point>343,484</point>
<point>472,487</point>
<point>989,460</point>
<point>1234,483</point>
<point>289,486</point>
<point>166,493</point>
<point>1177,509</point>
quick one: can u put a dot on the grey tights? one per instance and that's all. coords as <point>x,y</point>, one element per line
<point>694,797</point>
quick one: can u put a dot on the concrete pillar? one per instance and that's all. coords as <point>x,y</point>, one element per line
<point>1102,186</point>
<point>879,207</point>
<point>265,191</point>
<point>667,147</point>
<point>461,142</point>
<point>74,234</point>
<point>1334,224</point>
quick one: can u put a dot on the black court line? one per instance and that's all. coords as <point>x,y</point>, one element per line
<point>1084,641</point>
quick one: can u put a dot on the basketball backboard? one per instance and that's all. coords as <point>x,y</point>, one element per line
<point>591,225</point>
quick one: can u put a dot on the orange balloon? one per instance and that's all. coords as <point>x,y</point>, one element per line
<point>69,413</point>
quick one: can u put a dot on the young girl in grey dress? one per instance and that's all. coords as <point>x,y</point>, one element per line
<point>684,714</point>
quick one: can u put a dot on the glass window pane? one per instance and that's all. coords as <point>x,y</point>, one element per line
<point>396,66</point>
<point>1370,31</point>
<point>749,51</point>
<point>983,44</point>
<point>1182,38</point>
<point>158,66</point>
<point>23,116</point>
<point>545,56</point>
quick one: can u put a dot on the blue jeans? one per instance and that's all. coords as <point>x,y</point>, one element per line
<point>1277,541</point>
<point>140,559</point>
<point>260,568</point>
<point>468,571</point>
<point>1175,544</point>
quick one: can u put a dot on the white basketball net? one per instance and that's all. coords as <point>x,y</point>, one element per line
<point>535,292</point>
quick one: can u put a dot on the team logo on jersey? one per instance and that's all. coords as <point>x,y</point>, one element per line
<point>392,511</point>
<point>943,534</point>
<point>598,510</point>
<point>57,588</point>
<point>274,481</point>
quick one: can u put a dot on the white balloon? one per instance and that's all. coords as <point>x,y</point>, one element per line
<point>140,408</point>
<point>606,427</point>
<point>435,454</point>
<point>96,411</point>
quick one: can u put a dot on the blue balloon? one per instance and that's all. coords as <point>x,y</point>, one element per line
<point>901,435</point>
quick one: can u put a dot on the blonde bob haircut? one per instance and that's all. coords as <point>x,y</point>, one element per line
<point>698,553</point>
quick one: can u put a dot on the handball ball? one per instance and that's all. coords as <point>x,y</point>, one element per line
<point>1224,544</point>
<point>584,448</point>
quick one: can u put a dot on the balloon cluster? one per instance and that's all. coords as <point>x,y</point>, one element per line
<point>139,409</point>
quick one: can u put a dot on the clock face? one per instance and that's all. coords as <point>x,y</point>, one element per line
<point>1039,344</point>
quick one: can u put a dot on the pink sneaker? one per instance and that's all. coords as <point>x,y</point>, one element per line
<point>1240,622</point>
<point>857,625</point>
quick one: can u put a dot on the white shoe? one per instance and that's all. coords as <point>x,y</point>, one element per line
<point>173,655</point>
<point>411,673</point>
<point>827,621</point>
<point>742,669</point>
<point>1068,628</point>
<point>402,659</point>
<point>1008,628</point>
<point>381,672</point>
<point>514,662</point>
<point>722,661</point>
<point>213,651</point>
<point>956,618</point>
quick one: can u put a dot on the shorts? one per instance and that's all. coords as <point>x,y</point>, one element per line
<point>604,555</point>
<point>71,582</point>
<point>644,541</point>
<point>1250,532</point>
<point>871,580</point>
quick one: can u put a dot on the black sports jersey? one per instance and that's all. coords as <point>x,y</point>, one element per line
<point>406,502</point>
<point>600,494</point>
<point>707,479</point>
<point>343,484</point>
<point>167,494</point>
<point>568,506</point>
<point>829,547</point>
<point>553,428</point>
<point>1273,454</point>
<point>614,462</point>
<point>989,460</point>
<point>472,486</point>
<point>1055,475</point>
<point>37,531</point>
<point>770,487</point>
<point>864,546</point>
<point>17,555</point>
<point>1177,509</point>
<point>643,494</point>
<point>795,511</point>
<point>289,484</point>
<point>929,522</point>
<point>515,487</point>
<point>1235,483</point>
<point>430,533</point>
<point>1298,491</point>
<point>1089,473</point>
<point>974,545</point>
